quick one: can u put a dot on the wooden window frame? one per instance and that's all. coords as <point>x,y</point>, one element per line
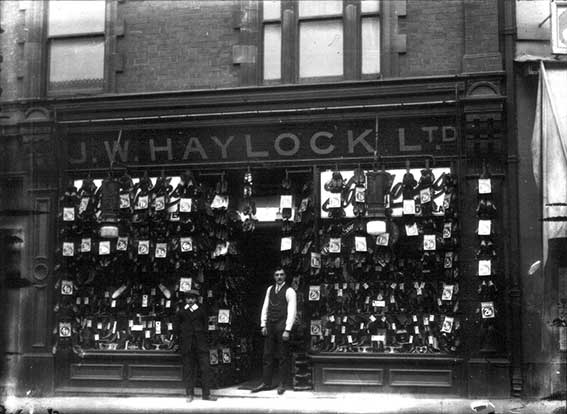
<point>351,20</point>
<point>107,43</point>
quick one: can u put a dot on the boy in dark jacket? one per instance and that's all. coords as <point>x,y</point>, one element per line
<point>192,331</point>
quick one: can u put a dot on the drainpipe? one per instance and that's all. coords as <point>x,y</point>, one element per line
<point>508,43</point>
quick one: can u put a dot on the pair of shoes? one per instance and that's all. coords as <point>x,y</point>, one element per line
<point>209,398</point>
<point>281,389</point>
<point>189,398</point>
<point>261,387</point>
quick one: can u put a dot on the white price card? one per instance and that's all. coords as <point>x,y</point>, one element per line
<point>409,207</point>
<point>104,248</point>
<point>186,244</point>
<point>68,213</point>
<point>159,203</point>
<point>161,250</point>
<point>335,245</point>
<point>68,249</point>
<point>285,244</point>
<point>286,201</point>
<point>383,239</point>
<point>429,242</point>
<point>142,203</point>
<point>314,293</point>
<point>185,205</point>
<point>411,230</point>
<point>484,227</point>
<point>143,247</point>
<point>185,284</point>
<point>484,267</point>
<point>86,245</point>
<point>484,186</point>
<point>122,244</point>
<point>360,244</point>
<point>125,200</point>
<point>335,200</point>
<point>447,325</point>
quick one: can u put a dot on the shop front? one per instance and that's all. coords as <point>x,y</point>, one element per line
<point>386,210</point>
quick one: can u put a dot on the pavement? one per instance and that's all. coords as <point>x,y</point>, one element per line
<point>234,400</point>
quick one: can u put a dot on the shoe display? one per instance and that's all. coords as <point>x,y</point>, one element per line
<point>122,293</point>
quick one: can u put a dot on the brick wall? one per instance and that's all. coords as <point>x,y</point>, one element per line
<point>481,36</point>
<point>435,38</point>
<point>177,45</point>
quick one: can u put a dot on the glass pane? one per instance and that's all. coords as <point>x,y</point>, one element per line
<point>75,17</point>
<point>321,48</point>
<point>370,6</point>
<point>272,51</point>
<point>76,63</point>
<point>311,8</point>
<point>272,9</point>
<point>370,45</point>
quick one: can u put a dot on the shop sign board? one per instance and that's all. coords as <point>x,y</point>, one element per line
<point>297,141</point>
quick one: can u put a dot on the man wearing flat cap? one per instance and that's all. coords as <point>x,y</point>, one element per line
<point>192,332</point>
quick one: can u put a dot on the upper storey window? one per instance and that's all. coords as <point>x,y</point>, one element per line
<point>314,40</point>
<point>76,45</point>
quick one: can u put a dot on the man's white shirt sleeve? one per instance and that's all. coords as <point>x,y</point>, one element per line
<point>264,315</point>
<point>291,308</point>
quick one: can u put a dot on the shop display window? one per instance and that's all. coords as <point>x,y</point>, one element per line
<point>128,250</point>
<point>365,283</point>
<point>387,285</point>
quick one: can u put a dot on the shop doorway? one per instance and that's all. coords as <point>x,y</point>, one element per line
<point>261,255</point>
<point>261,252</point>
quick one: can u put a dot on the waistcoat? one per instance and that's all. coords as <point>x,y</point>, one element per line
<point>277,306</point>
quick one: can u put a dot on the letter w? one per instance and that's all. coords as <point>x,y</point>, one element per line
<point>121,151</point>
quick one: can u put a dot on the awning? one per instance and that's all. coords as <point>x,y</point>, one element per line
<point>549,150</point>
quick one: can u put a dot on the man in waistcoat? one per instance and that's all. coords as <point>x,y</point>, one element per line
<point>192,326</point>
<point>278,316</point>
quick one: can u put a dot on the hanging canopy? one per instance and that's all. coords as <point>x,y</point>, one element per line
<point>549,150</point>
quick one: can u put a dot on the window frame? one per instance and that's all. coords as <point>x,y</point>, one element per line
<point>263,23</point>
<point>361,16</point>
<point>322,18</point>
<point>49,39</point>
<point>351,19</point>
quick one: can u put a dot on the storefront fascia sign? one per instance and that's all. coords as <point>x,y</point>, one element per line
<point>296,141</point>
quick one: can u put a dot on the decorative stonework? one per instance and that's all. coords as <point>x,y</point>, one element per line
<point>40,269</point>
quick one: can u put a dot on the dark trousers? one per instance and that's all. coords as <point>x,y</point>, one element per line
<point>190,360</point>
<point>276,347</point>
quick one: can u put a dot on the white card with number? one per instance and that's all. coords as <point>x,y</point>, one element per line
<point>335,245</point>
<point>429,242</point>
<point>185,205</point>
<point>144,247</point>
<point>286,201</point>
<point>186,244</point>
